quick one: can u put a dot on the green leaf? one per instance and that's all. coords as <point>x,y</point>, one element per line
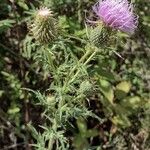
<point>6,24</point>
<point>14,110</point>
<point>22,4</point>
<point>1,93</point>
<point>104,73</point>
<point>106,89</point>
<point>91,133</point>
<point>132,103</point>
<point>82,125</point>
<point>80,143</point>
<point>121,120</point>
<point>122,89</point>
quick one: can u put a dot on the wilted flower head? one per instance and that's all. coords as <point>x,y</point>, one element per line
<point>117,14</point>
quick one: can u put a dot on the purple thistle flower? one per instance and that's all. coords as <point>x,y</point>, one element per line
<point>117,14</point>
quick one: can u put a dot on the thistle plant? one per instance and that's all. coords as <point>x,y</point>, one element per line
<point>72,85</point>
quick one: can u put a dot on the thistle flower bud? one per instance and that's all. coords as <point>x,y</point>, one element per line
<point>44,28</point>
<point>85,87</point>
<point>100,35</point>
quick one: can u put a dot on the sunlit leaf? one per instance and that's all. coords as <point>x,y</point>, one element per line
<point>14,110</point>
<point>132,103</point>
<point>122,89</point>
<point>106,89</point>
<point>121,120</point>
<point>22,4</point>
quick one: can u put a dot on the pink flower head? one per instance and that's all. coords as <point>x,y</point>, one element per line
<point>117,14</point>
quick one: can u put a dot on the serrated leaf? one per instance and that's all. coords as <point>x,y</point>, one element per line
<point>122,89</point>
<point>106,89</point>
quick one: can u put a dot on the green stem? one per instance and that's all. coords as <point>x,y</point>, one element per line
<point>49,57</point>
<point>79,11</point>
<point>82,59</point>
<point>54,127</point>
<point>51,64</point>
<point>86,62</point>
<point>76,38</point>
<point>52,140</point>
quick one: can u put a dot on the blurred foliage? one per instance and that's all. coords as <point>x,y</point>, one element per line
<point>116,113</point>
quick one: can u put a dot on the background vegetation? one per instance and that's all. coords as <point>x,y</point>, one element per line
<point>112,114</point>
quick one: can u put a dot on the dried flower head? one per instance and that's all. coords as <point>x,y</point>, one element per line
<point>117,14</point>
<point>44,27</point>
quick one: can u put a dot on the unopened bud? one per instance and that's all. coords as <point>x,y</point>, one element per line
<point>85,87</point>
<point>100,35</point>
<point>44,28</point>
